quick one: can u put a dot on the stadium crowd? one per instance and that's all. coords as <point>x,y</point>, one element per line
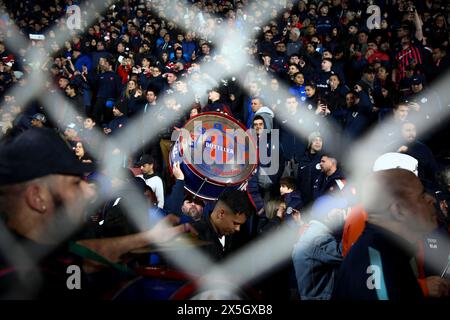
<point>312,63</point>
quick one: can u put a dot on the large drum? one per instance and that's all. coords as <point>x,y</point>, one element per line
<point>215,152</point>
<point>162,283</point>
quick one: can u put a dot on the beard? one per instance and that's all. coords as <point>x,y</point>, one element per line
<point>194,213</point>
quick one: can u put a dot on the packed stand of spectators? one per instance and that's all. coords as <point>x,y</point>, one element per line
<point>141,57</point>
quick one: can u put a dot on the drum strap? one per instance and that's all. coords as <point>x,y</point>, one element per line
<point>201,186</point>
<point>87,253</point>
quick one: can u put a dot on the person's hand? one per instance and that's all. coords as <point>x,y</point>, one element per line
<point>107,130</point>
<point>164,231</point>
<point>281,213</point>
<point>414,106</point>
<point>322,109</point>
<point>402,149</point>
<point>369,52</point>
<point>177,172</point>
<point>188,228</point>
<point>138,93</point>
<point>266,61</point>
<point>318,110</point>
<point>352,49</point>
<point>437,287</point>
<point>297,216</point>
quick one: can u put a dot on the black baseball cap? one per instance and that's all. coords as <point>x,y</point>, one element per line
<point>36,153</point>
<point>417,80</point>
<point>139,183</point>
<point>191,198</point>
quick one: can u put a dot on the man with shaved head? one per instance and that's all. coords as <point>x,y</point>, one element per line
<point>378,266</point>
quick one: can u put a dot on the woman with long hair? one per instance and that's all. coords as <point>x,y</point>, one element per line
<point>132,97</point>
<point>81,153</point>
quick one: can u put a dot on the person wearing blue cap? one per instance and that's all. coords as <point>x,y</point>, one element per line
<point>38,120</point>
<point>318,254</point>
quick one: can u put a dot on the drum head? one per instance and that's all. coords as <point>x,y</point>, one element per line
<point>216,147</point>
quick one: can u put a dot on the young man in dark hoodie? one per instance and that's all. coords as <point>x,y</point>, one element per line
<point>119,121</point>
<point>358,115</point>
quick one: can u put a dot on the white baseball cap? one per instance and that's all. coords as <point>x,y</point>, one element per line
<point>393,160</point>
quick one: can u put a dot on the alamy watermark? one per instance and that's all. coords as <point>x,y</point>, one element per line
<point>73,281</point>
<point>374,21</point>
<point>73,17</point>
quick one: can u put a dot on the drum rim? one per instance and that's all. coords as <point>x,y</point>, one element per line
<point>223,184</point>
<point>208,198</point>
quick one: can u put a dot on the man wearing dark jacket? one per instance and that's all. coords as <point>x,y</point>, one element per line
<point>323,77</point>
<point>230,212</point>
<point>358,115</point>
<point>330,179</point>
<point>293,145</point>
